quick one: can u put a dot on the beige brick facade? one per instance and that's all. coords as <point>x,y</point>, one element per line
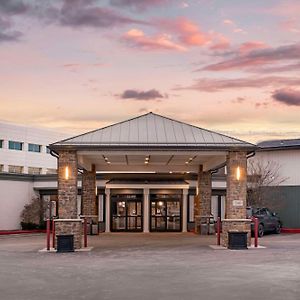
<point>235,226</point>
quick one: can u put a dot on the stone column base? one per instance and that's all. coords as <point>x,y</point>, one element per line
<point>235,225</point>
<point>203,220</point>
<point>69,226</point>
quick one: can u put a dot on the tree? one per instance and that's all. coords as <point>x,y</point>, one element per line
<point>32,216</point>
<point>264,179</point>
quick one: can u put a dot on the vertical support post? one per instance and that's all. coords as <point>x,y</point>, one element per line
<point>219,231</point>
<point>48,234</point>
<point>255,232</point>
<point>53,234</point>
<point>85,232</point>
<point>146,210</point>
<point>107,209</point>
<point>184,210</point>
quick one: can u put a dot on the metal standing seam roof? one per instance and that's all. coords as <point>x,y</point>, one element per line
<point>279,144</point>
<point>153,130</point>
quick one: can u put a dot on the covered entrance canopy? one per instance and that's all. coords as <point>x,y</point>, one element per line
<point>151,144</point>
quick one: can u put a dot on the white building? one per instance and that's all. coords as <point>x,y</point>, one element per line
<point>23,149</point>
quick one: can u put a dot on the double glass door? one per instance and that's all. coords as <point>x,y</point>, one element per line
<point>166,213</point>
<point>127,213</point>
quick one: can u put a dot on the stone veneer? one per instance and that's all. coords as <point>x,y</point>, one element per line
<point>69,226</point>
<point>235,225</point>
<point>236,194</point>
<point>202,202</point>
<point>89,205</point>
<point>67,188</point>
<point>235,215</point>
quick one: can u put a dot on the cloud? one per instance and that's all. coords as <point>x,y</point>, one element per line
<point>80,13</point>
<point>187,32</point>
<point>142,95</point>
<point>257,57</point>
<point>247,47</point>
<point>13,7</point>
<point>137,38</point>
<point>287,96</point>
<point>217,85</point>
<point>139,4</point>
<point>6,32</point>
<point>228,22</point>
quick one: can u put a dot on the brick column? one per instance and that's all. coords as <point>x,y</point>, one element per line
<point>235,214</point>
<point>202,204</point>
<point>68,222</point>
<point>67,187</point>
<point>89,204</point>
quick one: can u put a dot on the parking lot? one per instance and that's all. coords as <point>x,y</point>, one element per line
<point>150,266</point>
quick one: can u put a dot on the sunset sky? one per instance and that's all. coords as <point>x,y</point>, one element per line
<point>228,65</point>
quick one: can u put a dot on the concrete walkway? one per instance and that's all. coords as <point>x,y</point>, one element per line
<point>150,266</point>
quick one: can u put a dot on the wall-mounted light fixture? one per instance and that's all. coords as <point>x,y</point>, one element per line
<point>238,173</point>
<point>67,174</point>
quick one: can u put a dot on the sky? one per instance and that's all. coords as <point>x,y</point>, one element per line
<point>232,66</point>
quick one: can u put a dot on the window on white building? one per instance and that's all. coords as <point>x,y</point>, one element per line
<point>1,143</point>
<point>51,171</point>
<point>13,145</point>
<point>34,148</point>
<point>34,171</point>
<point>15,169</point>
<point>1,168</point>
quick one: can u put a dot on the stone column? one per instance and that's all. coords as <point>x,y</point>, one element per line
<point>236,196</point>
<point>202,203</point>
<point>89,204</point>
<point>184,209</point>
<point>107,210</point>
<point>146,210</point>
<point>68,222</point>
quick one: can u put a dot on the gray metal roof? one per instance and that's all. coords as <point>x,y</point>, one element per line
<point>153,130</point>
<point>279,144</point>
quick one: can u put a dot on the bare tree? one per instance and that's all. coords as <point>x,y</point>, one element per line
<point>264,179</point>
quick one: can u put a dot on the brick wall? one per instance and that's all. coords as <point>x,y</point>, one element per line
<point>235,226</point>
<point>70,227</point>
<point>89,204</point>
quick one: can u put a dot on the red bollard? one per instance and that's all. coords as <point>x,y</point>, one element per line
<point>219,231</point>
<point>53,234</point>
<point>85,232</point>
<point>48,234</point>
<point>255,232</point>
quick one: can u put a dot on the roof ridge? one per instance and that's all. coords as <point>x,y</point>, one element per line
<point>201,128</point>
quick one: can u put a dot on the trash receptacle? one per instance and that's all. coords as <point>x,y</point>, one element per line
<point>65,243</point>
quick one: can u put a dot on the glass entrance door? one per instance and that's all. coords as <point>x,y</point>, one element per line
<point>166,213</point>
<point>127,213</point>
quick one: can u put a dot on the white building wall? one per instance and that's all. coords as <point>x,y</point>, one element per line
<point>24,158</point>
<point>13,196</point>
<point>288,160</point>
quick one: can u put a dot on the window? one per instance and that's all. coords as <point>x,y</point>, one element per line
<point>15,169</point>
<point>51,171</point>
<point>34,148</point>
<point>15,145</point>
<point>1,143</point>
<point>47,150</point>
<point>1,168</point>
<point>33,171</point>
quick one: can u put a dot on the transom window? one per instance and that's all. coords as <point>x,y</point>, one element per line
<point>15,169</point>
<point>13,145</point>
<point>33,170</point>
<point>34,148</point>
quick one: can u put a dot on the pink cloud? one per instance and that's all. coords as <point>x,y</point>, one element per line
<point>290,25</point>
<point>188,32</point>
<point>251,45</point>
<point>138,39</point>
<point>220,43</point>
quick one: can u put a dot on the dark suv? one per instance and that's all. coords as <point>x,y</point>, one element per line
<point>268,221</point>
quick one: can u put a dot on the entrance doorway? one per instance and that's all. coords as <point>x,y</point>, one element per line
<point>127,213</point>
<point>166,213</point>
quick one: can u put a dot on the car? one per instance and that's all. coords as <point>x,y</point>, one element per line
<point>268,221</point>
